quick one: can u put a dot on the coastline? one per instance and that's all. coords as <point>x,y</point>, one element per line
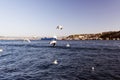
<point>110,35</point>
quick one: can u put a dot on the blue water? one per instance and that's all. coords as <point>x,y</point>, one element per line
<point>21,60</point>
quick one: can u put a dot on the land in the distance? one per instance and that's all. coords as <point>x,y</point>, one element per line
<point>18,38</point>
<point>110,35</point>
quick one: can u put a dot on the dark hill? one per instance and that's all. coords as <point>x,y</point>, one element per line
<point>111,35</point>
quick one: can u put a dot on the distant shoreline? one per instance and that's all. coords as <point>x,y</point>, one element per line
<point>110,35</point>
<point>19,38</point>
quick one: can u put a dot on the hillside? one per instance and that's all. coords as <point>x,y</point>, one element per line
<point>111,35</point>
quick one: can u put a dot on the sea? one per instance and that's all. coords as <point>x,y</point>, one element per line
<point>82,60</point>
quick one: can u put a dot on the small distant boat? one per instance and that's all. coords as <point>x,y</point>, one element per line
<point>48,38</point>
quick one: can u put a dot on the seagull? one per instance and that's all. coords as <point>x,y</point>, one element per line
<point>53,42</point>
<point>59,27</point>
<point>28,40</point>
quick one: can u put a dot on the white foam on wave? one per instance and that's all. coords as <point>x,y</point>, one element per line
<point>1,50</point>
<point>55,62</point>
<point>67,45</point>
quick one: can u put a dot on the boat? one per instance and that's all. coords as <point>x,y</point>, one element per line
<point>45,38</point>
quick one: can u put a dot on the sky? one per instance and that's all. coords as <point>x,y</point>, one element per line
<point>41,17</point>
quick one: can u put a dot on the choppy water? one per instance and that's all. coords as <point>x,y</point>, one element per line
<point>34,61</point>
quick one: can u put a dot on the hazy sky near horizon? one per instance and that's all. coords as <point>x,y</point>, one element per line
<point>40,17</point>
